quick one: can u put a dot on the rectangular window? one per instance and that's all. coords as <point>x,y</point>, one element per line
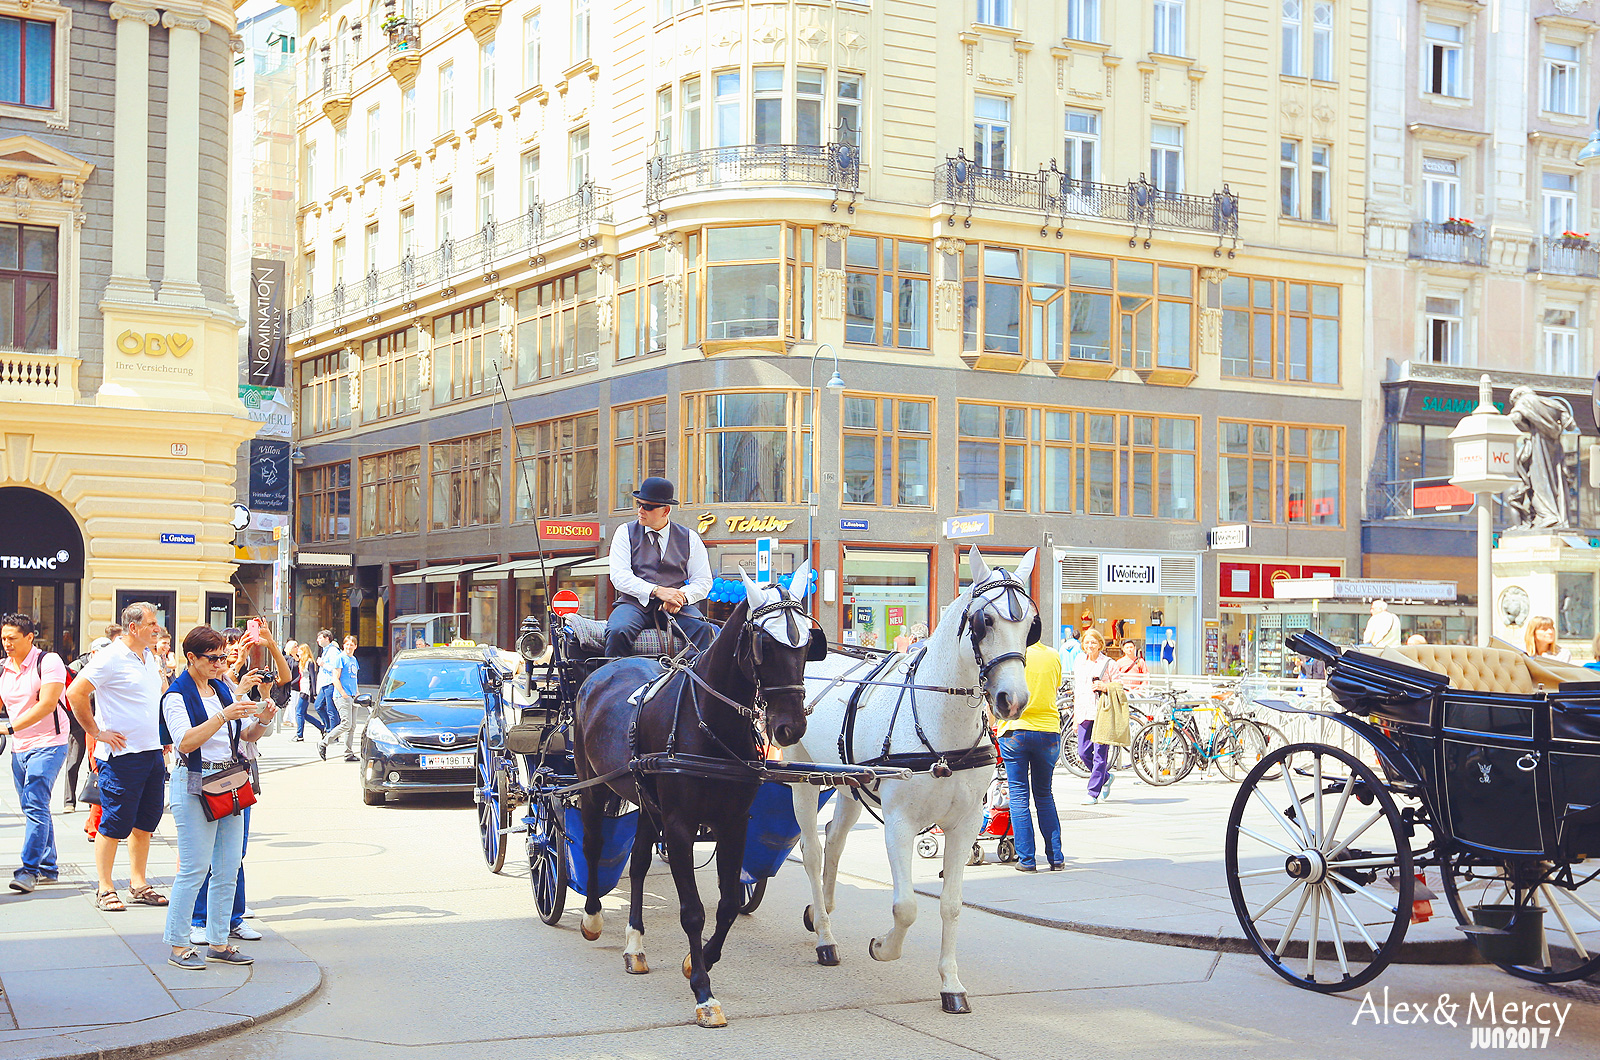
<point>730,125</point>
<point>767,103</point>
<point>485,199</point>
<point>1321,182</point>
<point>754,282</point>
<point>1444,329</point>
<point>530,180</point>
<point>1322,41</point>
<point>485,76</point>
<point>558,460</point>
<point>558,327</point>
<point>1562,82</point>
<point>1289,178</point>
<point>466,344</point>
<point>530,50</point>
<point>323,501</point>
<point>338,262</point>
<point>886,451</point>
<point>641,303</point>
<point>886,292</point>
<point>1561,342</point>
<point>446,204</point>
<point>1442,59</point>
<point>1083,19</point>
<point>689,119</point>
<point>391,493</point>
<point>1278,329</point>
<point>408,232</point>
<point>747,447</point>
<point>1441,188</point>
<point>27,62</point>
<point>577,159</point>
<point>464,482</point>
<point>325,393</point>
<point>341,139</point>
<point>663,144</point>
<point>1166,156</point>
<point>994,12</point>
<point>848,103</point>
<point>581,16</point>
<point>1169,19</point>
<point>374,137</point>
<point>447,97</point>
<point>29,265</point>
<point>389,382</point>
<point>1282,474</point>
<point>1292,21</point>
<point>371,258</point>
<point>809,85</point>
<point>308,173</point>
<point>408,119</point>
<point>991,131</point>
<point>1560,192</point>
<point>1082,145</point>
<point>638,449</point>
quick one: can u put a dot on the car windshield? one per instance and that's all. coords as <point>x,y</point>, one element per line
<point>420,680</point>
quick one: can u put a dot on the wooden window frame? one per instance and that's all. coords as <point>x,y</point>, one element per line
<point>1280,459</point>
<point>887,275</point>
<point>695,433</point>
<point>641,299</point>
<point>390,376</point>
<point>796,269</point>
<point>465,341</point>
<point>552,318</point>
<point>539,492</point>
<point>317,491</point>
<point>893,436</point>
<point>1283,318</point>
<point>467,464</point>
<point>384,483</point>
<point>325,393</point>
<point>637,445</point>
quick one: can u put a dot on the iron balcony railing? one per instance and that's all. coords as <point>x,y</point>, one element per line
<point>405,35</point>
<point>494,242</point>
<point>1435,241</point>
<point>336,79</point>
<point>836,166</point>
<point>1056,196</point>
<point>1565,257</point>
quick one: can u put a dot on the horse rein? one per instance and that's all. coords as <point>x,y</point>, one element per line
<point>976,620</point>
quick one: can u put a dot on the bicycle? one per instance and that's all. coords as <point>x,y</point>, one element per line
<point>1167,750</point>
<point>1069,735</point>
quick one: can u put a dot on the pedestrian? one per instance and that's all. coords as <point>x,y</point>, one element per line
<point>1383,628</point>
<point>1089,679</point>
<point>31,683</point>
<point>283,693</point>
<point>164,653</point>
<point>78,744</point>
<point>306,694</point>
<point>209,729</point>
<point>344,695</point>
<point>1540,638</point>
<point>1131,669</point>
<point>1070,651</point>
<point>1030,744</point>
<point>328,665</point>
<point>123,727</point>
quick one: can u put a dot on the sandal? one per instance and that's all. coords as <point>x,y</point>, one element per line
<point>147,895</point>
<point>108,902</point>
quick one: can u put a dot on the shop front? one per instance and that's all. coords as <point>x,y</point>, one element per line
<point>1151,598</point>
<point>1241,643</point>
<point>323,584</point>
<point>41,570</point>
<point>883,590</point>
<point>1339,608</point>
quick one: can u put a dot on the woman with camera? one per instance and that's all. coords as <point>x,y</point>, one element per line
<point>209,729</point>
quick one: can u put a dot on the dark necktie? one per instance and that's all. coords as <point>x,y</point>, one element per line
<point>651,552</point>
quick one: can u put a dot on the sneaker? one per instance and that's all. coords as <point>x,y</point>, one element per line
<point>1105,789</point>
<point>1090,801</point>
<point>245,932</point>
<point>249,914</point>
<point>229,955</point>
<point>1020,867</point>
<point>352,758</point>
<point>197,936</point>
<point>1058,866</point>
<point>23,882</point>
<point>299,739</point>
<point>42,879</point>
<point>187,959</point>
<point>322,751</point>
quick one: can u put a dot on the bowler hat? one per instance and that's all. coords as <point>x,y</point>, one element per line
<point>656,491</point>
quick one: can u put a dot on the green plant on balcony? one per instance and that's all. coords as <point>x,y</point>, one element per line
<point>1574,241</point>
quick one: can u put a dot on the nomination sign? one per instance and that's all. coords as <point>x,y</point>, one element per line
<point>268,332</point>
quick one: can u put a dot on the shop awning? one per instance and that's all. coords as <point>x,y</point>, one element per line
<point>589,568</point>
<point>446,572</point>
<point>525,568</point>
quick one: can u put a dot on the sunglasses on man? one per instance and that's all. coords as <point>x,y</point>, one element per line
<point>650,507</point>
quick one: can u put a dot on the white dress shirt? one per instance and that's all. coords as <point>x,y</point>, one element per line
<point>627,583</point>
<point>127,694</point>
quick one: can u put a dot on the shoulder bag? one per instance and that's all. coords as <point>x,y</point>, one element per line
<point>227,791</point>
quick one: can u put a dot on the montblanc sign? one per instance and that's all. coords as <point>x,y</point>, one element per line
<point>60,559</point>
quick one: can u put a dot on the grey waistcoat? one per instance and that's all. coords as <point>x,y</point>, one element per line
<point>672,569</point>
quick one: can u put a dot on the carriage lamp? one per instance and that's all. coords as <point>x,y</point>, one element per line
<point>1484,462</point>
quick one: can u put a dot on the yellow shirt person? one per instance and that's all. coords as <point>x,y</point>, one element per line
<point>1042,668</point>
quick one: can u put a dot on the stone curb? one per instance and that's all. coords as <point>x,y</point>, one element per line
<point>274,988</point>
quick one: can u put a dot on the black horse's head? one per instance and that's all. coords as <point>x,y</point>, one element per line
<point>774,646</point>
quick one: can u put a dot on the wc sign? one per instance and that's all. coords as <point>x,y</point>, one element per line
<point>1484,464</point>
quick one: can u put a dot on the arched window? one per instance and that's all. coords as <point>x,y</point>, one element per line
<point>373,28</point>
<point>341,44</point>
<point>313,76</point>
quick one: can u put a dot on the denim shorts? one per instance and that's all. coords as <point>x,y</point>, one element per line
<point>131,793</point>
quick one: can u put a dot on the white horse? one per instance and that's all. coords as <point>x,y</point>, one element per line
<point>923,704</point>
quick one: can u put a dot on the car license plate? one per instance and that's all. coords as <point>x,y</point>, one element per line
<point>446,761</point>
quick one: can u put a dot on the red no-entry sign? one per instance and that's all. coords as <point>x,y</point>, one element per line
<point>565,602</point>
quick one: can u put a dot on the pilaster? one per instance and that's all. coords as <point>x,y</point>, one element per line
<point>180,274</point>
<point>130,155</point>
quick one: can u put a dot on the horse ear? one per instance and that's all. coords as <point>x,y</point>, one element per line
<point>980,569</point>
<point>802,581</point>
<point>752,591</point>
<point>1024,569</point>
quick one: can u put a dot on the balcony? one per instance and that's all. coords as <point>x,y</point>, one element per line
<point>1055,196</point>
<point>336,91</point>
<point>833,166</point>
<point>478,253</point>
<point>38,378</point>
<point>1435,241</point>
<point>405,47</point>
<point>1564,257</point>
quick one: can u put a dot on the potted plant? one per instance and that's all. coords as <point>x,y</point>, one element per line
<point>393,24</point>
<point>1574,240</point>
<point>1458,226</point>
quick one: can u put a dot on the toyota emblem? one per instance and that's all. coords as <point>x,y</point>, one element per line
<point>447,738</point>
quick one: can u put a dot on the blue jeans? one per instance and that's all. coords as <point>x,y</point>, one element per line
<point>35,774</point>
<point>203,846</point>
<point>303,713</point>
<point>1096,757</point>
<point>1030,759</point>
<point>325,708</point>
<point>201,912</point>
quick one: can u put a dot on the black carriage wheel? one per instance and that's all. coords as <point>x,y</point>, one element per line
<point>1570,947</point>
<point>754,891</point>
<point>1239,749</point>
<point>1161,754</point>
<point>547,860</point>
<point>1319,867</point>
<point>1006,850</point>
<point>494,810</point>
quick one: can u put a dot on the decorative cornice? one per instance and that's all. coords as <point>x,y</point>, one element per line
<point>198,23</point>
<point>1440,134</point>
<point>148,16</point>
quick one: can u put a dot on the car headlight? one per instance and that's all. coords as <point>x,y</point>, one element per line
<point>378,732</point>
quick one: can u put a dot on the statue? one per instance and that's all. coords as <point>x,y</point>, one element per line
<point>1539,499</point>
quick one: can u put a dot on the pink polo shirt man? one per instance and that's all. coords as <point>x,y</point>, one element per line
<point>19,690</point>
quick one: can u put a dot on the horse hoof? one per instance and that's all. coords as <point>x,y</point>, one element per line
<point>688,967</point>
<point>828,956</point>
<point>710,1014</point>
<point>805,918</point>
<point>591,926</point>
<point>872,950</point>
<point>635,964</point>
<point>954,1003</point>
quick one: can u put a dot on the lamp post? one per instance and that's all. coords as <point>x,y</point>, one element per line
<point>1590,155</point>
<point>1484,462</point>
<point>835,383</point>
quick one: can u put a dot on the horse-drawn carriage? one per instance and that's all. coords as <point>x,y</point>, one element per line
<point>1481,765</point>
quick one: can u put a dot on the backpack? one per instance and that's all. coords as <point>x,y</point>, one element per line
<point>61,704</point>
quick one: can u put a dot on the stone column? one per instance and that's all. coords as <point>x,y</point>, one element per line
<point>180,273</point>
<point>130,156</point>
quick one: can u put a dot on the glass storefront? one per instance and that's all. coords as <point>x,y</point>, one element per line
<point>1164,627</point>
<point>483,607</point>
<point>1252,635</point>
<point>882,592</point>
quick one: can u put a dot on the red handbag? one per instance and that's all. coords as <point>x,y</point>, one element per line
<point>222,804</point>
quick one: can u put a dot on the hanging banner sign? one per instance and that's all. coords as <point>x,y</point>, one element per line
<point>267,336</point>
<point>269,475</point>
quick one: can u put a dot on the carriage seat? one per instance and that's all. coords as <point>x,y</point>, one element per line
<point>1473,668</point>
<point>650,643</point>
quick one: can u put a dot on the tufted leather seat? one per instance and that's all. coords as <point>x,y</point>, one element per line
<point>1478,669</point>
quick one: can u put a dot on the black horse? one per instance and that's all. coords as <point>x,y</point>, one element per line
<point>703,727</point>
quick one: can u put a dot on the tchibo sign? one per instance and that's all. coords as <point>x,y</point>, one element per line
<point>1121,573</point>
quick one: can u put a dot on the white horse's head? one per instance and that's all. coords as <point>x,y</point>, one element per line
<point>1000,620</point>
<point>779,644</point>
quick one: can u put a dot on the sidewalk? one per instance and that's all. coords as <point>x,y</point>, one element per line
<point>76,982</point>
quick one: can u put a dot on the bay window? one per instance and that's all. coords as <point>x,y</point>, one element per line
<point>756,282</point>
<point>746,447</point>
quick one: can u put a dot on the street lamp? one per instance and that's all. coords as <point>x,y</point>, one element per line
<point>1590,155</point>
<point>1484,461</point>
<point>835,383</point>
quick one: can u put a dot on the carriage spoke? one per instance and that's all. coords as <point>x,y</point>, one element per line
<point>1577,943</point>
<point>1316,922</point>
<point>1316,774</point>
<point>1388,907</point>
<point>1355,920</point>
<point>1280,896</point>
<point>1300,907</point>
<point>1294,800</point>
<point>1275,870</point>
<point>1264,841</point>
<point>1283,822</point>
<point>1338,939</point>
<point>1338,811</point>
<point>1576,898</point>
<point>1377,815</point>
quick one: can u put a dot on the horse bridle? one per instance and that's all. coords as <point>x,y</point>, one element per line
<point>975,621</point>
<point>790,607</point>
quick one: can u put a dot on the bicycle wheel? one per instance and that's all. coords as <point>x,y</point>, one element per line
<point>1239,748</point>
<point>1161,756</point>
<point>1069,754</point>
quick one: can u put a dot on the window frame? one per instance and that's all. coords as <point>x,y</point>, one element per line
<point>486,75</point>
<point>468,467</point>
<point>991,134</point>
<point>391,367</point>
<point>385,482</point>
<point>552,318</point>
<point>1289,178</point>
<point>57,114</point>
<point>1442,324</point>
<point>1292,17</point>
<point>532,49</point>
<point>1558,201</point>
<point>579,145</point>
<point>1321,182</point>
<point>319,506</point>
<point>1083,20</point>
<point>641,310</point>
<point>1279,461</point>
<point>636,448</point>
<point>1570,74</point>
<point>696,435</point>
<point>14,322</point>
<point>374,137</point>
<point>994,13</point>
<point>1168,159</point>
<point>1324,57</point>
<point>795,266</point>
<point>465,342</point>
<point>887,446</point>
<point>1170,27</point>
<point>549,475</point>
<point>889,277</point>
<point>1438,68</point>
<point>1568,361</point>
<point>1075,144</point>
<point>445,98</point>
<point>1268,304</point>
<point>324,383</point>
<point>1437,185</point>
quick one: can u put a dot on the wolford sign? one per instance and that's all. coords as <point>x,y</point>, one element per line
<point>1130,574</point>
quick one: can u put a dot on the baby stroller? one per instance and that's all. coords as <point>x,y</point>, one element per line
<point>996,826</point>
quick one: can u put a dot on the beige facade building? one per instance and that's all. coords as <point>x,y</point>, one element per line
<point>1093,273</point>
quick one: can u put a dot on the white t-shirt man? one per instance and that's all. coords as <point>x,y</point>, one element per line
<point>127,697</point>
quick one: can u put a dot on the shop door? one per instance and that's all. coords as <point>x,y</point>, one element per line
<point>166,605</point>
<point>53,605</point>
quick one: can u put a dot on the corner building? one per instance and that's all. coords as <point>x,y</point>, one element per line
<point>117,332</point>
<point>1047,243</point>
